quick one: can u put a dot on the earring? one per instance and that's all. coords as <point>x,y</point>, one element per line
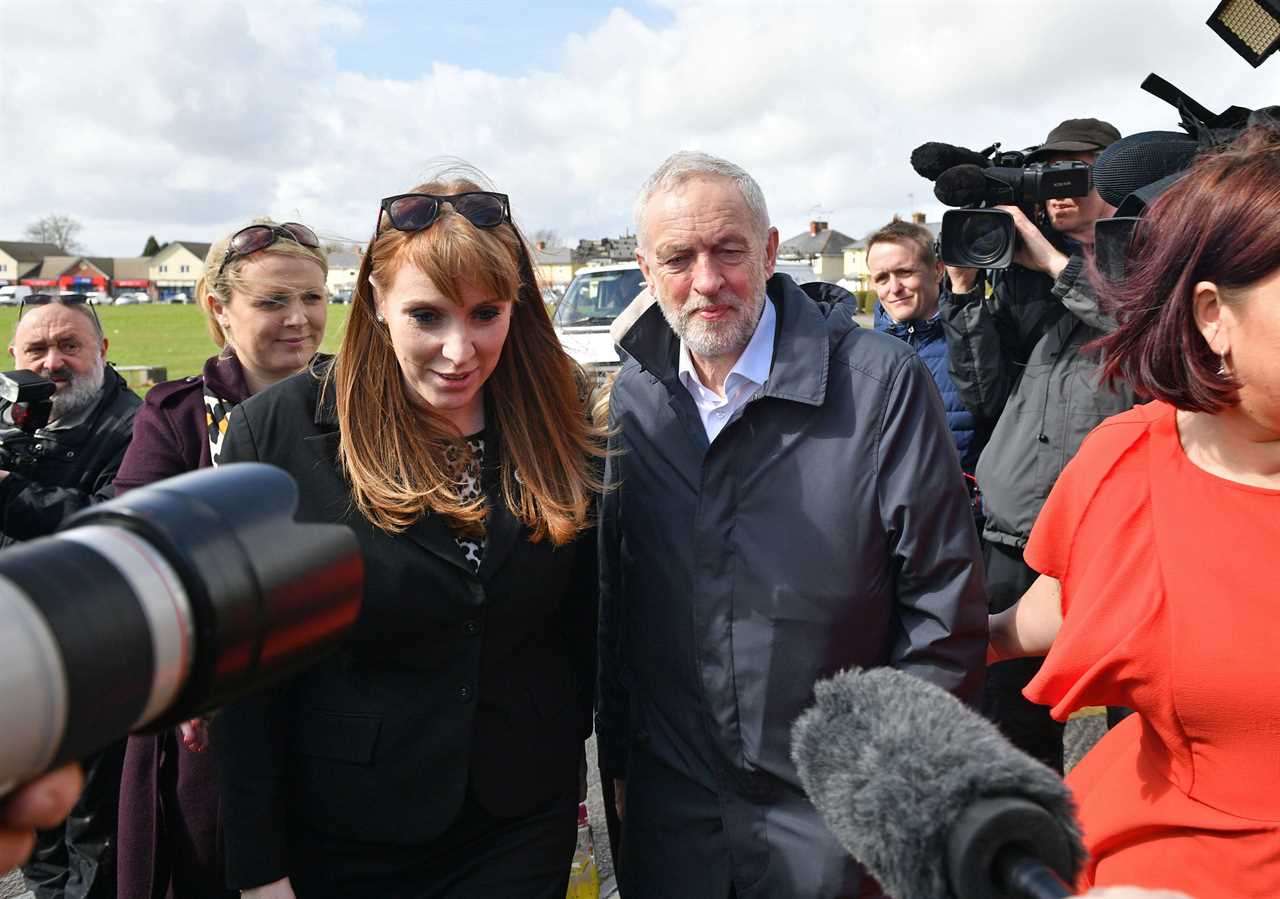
<point>1225,368</point>
<point>380,318</point>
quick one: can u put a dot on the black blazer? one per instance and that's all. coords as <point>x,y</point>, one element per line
<point>449,677</point>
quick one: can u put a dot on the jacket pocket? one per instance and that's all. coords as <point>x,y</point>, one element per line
<point>336,736</point>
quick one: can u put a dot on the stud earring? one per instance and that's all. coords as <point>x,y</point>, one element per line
<point>380,318</point>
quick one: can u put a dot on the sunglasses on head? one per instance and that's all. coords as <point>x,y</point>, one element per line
<point>250,240</point>
<point>61,299</point>
<point>415,212</point>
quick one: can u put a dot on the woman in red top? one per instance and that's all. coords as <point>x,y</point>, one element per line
<point>1158,550</point>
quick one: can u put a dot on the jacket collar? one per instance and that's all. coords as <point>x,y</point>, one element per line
<point>801,347</point>
<point>224,378</point>
<point>902,330</point>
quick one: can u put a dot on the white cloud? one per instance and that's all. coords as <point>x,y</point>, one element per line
<point>185,120</point>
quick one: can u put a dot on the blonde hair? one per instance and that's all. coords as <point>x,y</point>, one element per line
<point>395,460</point>
<point>229,280</point>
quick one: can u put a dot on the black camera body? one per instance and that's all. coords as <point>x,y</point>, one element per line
<point>29,403</point>
<point>982,237</point>
<point>977,236</point>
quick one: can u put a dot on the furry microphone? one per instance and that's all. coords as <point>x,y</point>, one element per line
<point>961,185</point>
<point>929,797</point>
<point>1140,160</point>
<point>932,159</point>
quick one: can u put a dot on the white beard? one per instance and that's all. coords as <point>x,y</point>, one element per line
<point>80,393</point>
<point>709,340</point>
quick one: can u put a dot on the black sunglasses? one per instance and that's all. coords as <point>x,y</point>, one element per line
<point>415,212</point>
<point>250,240</point>
<point>62,299</point>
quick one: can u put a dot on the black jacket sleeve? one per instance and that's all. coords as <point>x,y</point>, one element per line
<point>33,509</point>
<point>941,597</point>
<point>250,737</point>
<point>613,701</point>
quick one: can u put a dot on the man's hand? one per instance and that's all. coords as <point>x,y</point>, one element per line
<point>962,280</point>
<point>194,734</point>
<point>620,797</point>
<point>280,889</point>
<point>41,803</point>
<point>1034,250</point>
<point>3,474</point>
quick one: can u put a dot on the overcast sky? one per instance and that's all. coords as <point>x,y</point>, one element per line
<point>186,119</point>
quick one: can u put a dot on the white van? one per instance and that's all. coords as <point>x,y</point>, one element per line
<point>582,317</point>
<point>13,294</point>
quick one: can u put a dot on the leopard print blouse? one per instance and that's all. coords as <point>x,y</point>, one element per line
<point>466,474</point>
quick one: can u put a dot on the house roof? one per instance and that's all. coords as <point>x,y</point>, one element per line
<point>935,228</point>
<point>827,242</point>
<point>52,267</point>
<point>131,268</point>
<point>199,250</point>
<point>553,256</point>
<point>26,251</point>
<point>343,259</point>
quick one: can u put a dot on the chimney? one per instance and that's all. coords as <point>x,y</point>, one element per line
<point>815,227</point>
<point>917,217</point>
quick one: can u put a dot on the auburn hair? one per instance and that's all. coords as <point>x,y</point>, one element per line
<point>394,453</point>
<point>1219,223</point>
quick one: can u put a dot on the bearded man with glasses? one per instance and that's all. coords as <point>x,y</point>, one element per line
<point>46,474</point>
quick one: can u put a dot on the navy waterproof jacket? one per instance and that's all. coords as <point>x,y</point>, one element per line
<point>929,340</point>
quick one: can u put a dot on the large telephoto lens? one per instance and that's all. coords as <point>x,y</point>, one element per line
<point>977,238</point>
<point>162,604</point>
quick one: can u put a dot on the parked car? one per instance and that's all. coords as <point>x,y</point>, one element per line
<point>595,297</point>
<point>14,294</point>
<point>179,298</point>
<point>341,296</point>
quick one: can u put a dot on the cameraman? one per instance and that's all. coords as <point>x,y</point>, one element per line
<point>60,469</point>
<point>1017,358</point>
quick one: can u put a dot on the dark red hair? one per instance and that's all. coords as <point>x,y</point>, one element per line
<point>1220,223</point>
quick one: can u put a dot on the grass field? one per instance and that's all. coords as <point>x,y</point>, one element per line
<point>173,336</point>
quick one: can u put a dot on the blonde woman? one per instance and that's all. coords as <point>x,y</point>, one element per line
<point>437,754</point>
<point>264,298</point>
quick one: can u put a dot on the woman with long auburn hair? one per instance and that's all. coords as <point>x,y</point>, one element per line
<point>1157,549</point>
<point>437,753</point>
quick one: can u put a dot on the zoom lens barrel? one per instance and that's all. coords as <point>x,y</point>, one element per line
<point>164,603</point>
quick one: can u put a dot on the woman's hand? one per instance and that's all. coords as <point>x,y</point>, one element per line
<point>41,803</point>
<point>1029,626</point>
<point>281,889</point>
<point>195,734</point>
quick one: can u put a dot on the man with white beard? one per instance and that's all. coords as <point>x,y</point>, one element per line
<point>783,501</point>
<point>63,466</point>
<point>57,470</point>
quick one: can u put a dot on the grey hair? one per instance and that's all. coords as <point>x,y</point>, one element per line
<point>687,165</point>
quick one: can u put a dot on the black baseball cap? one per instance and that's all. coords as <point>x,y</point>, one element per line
<point>1077,136</point>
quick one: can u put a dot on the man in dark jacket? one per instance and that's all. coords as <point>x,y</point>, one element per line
<point>907,276</point>
<point>784,502</point>
<point>1017,358</point>
<point>47,475</point>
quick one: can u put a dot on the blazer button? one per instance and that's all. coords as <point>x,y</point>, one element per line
<point>471,627</point>
<point>464,693</point>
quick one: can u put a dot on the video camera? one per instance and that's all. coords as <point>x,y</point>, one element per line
<point>1133,171</point>
<point>167,602</point>
<point>978,236</point>
<point>30,403</point>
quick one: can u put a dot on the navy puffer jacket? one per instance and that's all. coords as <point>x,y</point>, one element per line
<point>930,342</point>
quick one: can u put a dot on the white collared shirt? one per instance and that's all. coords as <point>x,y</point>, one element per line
<point>747,376</point>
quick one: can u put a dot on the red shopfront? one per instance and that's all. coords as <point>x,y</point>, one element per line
<point>84,277</point>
